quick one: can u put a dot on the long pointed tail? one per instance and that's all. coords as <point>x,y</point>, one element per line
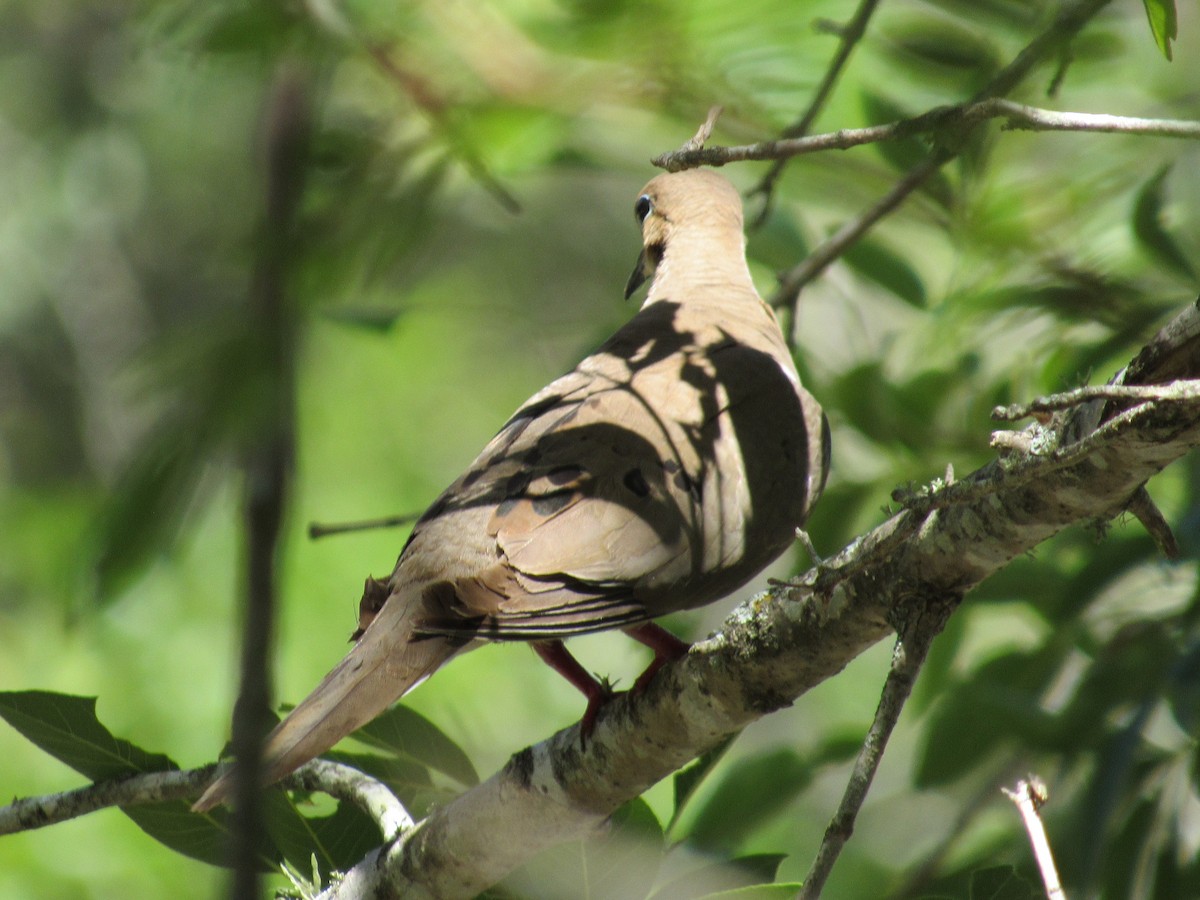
<point>382,667</point>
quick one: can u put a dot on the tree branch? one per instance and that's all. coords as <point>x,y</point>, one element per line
<point>907,658</point>
<point>268,452</point>
<point>949,123</point>
<point>1062,30</point>
<point>1030,796</point>
<point>336,779</point>
<point>851,33</point>
<point>29,813</point>
<point>783,643</point>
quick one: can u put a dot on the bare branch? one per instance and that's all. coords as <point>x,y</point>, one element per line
<point>29,813</point>
<point>907,659</point>
<point>325,529</point>
<point>1155,523</point>
<point>700,138</point>
<point>348,783</point>
<point>950,124</point>
<point>1029,796</point>
<point>1066,25</point>
<point>336,779</point>
<point>794,280</point>
<point>1029,118</point>
<point>851,33</point>
<point>1178,391</point>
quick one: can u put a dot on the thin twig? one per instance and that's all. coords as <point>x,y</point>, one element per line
<point>1182,390</point>
<point>907,659</point>
<point>944,121</point>
<point>29,813</point>
<point>340,781</point>
<point>1143,508</point>
<point>1029,796</point>
<point>794,280</point>
<point>344,782</point>
<point>1064,28</point>
<point>1032,461</point>
<point>420,92</point>
<point>851,33</point>
<point>700,138</point>
<point>320,529</point>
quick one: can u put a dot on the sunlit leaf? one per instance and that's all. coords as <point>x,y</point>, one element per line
<point>66,727</point>
<point>779,891</point>
<point>1164,23</point>
<point>407,732</point>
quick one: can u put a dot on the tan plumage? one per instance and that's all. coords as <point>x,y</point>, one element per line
<point>664,472</point>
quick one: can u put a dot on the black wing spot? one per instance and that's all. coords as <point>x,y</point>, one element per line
<point>549,504</point>
<point>517,484</point>
<point>506,506</point>
<point>564,475</point>
<point>636,482</point>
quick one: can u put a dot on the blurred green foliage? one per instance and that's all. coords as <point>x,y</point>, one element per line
<point>131,196</point>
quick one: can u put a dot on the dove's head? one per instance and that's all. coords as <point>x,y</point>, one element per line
<point>694,213</point>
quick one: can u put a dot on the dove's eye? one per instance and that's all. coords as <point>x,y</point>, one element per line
<point>641,209</point>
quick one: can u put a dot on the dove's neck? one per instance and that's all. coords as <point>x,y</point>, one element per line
<point>700,262</point>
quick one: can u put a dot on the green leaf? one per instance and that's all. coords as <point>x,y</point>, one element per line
<point>339,840</point>
<point>689,778</point>
<point>402,731</point>
<point>66,727</point>
<point>779,244</point>
<point>725,875</point>
<point>875,261</point>
<point>905,153</point>
<point>927,44</point>
<point>624,862</point>
<point>1164,23</point>
<point>759,892</point>
<point>1148,227</point>
<point>997,705</point>
<point>751,791</point>
<point>150,501</point>
<point>375,319</point>
<point>202,837</point>
<point>999,883</point>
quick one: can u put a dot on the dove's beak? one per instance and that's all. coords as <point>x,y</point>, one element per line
<point>640,272</point>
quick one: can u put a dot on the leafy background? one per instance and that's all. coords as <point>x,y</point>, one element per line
<point>430,309</point>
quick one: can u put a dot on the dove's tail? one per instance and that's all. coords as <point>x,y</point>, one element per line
<point>385,664</point>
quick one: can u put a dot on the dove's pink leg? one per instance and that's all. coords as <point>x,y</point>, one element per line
<point>557,657</point>
<point>666,648</point>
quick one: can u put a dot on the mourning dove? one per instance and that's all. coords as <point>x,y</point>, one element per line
<point>664,472</point>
